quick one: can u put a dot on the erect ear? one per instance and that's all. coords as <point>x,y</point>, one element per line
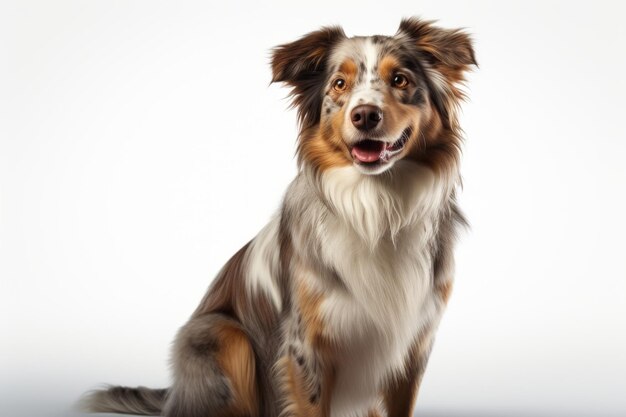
<point>302,65</point>
<point>448,50</point>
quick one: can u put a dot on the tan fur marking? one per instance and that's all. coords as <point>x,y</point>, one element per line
<point>324,149</point>
<point>323,146</point>
<point>298,392</point>
<point>309,305</point>
<point>386,67</point>
<point>348,67</point>
<point>236,358</point>
<point>297,395</point>
<point>347,70</point>
<point>437,147</point>
<point>399,116</point>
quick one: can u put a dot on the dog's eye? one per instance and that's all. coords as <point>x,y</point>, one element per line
<point>339,84</point>
<point>399,81</point>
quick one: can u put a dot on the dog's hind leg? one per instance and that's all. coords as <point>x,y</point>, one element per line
<point>214,370</point>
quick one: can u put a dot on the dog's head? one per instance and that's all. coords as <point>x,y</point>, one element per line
<point>371,101</point>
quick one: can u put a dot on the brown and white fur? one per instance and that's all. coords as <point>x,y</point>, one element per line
<point>331,309</point>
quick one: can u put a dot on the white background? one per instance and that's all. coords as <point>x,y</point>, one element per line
<point>141,146</point>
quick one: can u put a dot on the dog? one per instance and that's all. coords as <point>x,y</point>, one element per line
<point>331,310</point>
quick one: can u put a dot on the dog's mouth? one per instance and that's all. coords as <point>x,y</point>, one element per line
<point>372,151</point>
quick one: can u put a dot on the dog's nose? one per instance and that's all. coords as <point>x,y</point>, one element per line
<point>366,117</point>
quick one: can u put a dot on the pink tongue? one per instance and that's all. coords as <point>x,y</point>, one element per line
<point>368,150</point>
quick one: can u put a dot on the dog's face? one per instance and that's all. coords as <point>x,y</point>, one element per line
<point>371,101</point>
<point>374,101</point>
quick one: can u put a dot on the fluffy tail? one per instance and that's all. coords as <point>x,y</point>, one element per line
<point>125,400</point>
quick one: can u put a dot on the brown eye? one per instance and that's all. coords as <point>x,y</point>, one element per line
<point>399,81</point>
<point>339,84</point>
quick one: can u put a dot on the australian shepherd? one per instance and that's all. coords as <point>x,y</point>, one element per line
<point>331,310</point>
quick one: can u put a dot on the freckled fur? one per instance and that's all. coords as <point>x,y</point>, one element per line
<point>331,310</point>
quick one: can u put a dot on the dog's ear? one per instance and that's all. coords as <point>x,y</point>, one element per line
<point>302,65</point>
<point>447,54</point>
<point>449,51</point>
<point>295,61</point>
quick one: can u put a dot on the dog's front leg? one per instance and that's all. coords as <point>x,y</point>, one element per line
<point>400,394</point>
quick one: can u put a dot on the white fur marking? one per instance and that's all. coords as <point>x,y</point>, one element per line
<point>376,238</point>
<point>262,262</point>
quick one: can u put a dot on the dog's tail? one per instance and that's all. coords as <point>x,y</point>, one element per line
<point>124,400</point>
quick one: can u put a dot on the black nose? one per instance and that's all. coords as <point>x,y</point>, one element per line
<point>366,117</point>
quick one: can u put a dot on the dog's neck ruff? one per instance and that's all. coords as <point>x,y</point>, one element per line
<point>379,206</point>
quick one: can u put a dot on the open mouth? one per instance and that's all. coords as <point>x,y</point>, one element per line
<point>371,151</point>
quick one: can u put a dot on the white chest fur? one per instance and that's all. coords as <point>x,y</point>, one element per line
<point>378,242</point>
